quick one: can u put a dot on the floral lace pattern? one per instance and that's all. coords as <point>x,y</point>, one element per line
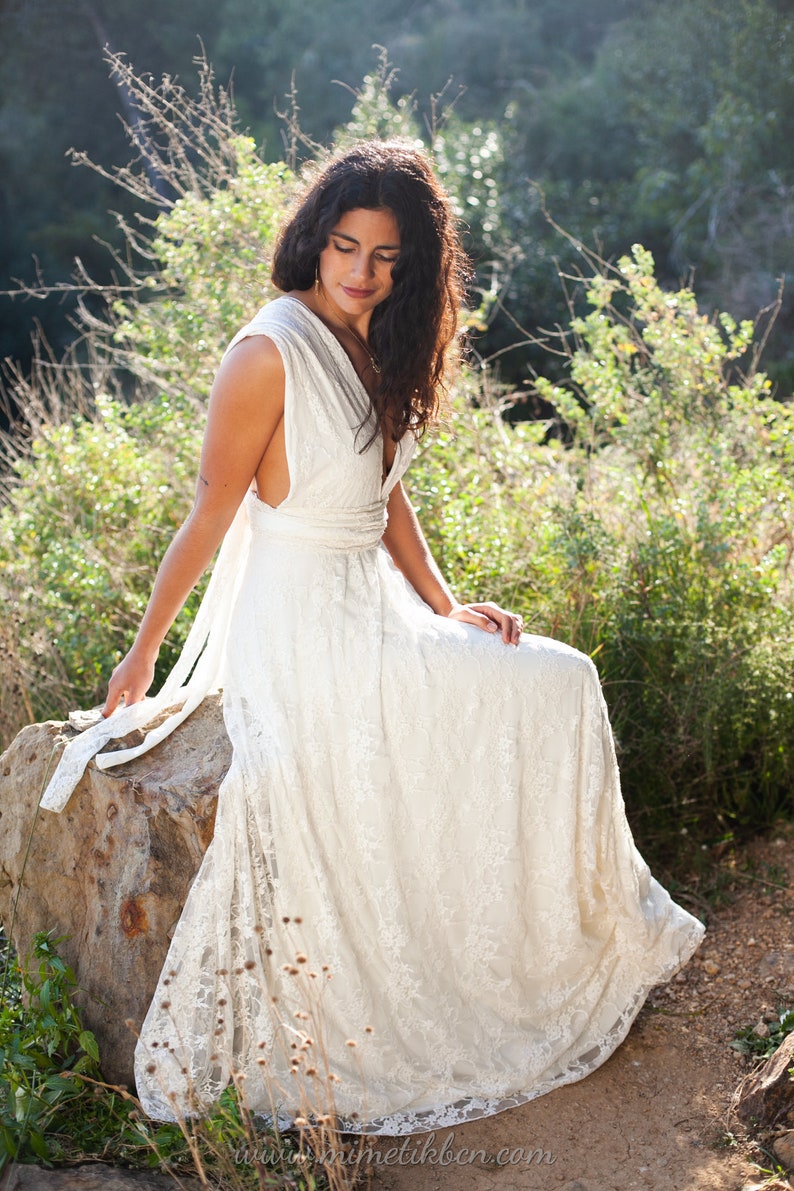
<point>420,846</point>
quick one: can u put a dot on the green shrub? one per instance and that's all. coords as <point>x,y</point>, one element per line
<point>748,1041</point>
<point>93,501</point>
<point>685,472</point>
<point>211,252</point>
<point>93,507</point>
<point>49,1065</point>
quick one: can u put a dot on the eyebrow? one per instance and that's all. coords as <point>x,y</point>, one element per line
<point>353,240</point>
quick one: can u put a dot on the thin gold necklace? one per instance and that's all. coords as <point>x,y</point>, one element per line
<point>373,362</point>
<point>374,365</point>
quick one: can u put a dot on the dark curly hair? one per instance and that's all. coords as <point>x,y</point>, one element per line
<point>413,332</point>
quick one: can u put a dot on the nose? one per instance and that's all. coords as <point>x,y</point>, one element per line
<point>362,266</point>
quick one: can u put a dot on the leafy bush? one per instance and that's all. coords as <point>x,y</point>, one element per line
<point>685,469</point>
<point>211,253</point>
<point>94,497</point>
<point>44,1055</point>
<point>648,523</point>
<point>93,507</point>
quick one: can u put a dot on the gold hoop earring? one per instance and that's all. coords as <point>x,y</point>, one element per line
<point>317,280</point>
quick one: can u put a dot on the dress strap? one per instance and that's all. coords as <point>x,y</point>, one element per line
<point>197,672</point>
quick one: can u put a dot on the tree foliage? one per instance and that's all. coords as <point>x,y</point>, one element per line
<point>659,123</point>
<point>674,138</point>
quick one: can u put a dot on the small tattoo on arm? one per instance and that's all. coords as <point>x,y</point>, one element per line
<point>206,483</point>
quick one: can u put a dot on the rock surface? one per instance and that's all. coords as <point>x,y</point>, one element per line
<point>784,1150</point>
<point>767,1098</point>
<point>112,871</point>
<point>91,1178</point>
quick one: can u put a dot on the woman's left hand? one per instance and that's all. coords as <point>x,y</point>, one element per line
<point>491,619</point>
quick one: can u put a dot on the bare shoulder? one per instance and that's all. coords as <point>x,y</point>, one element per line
<point>246,405</point>
<point>249,386</point>
<point>252,365</point>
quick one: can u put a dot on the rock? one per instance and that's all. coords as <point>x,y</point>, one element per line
<point>761,1029</point>
<point>781,962</point>
<point>710,967</point>
<point>91,1178</point>
<point>112,870</point>
<point>767,1097</point>
<point>784,1150</point>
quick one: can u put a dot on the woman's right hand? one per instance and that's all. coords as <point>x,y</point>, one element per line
<point>129,681</point>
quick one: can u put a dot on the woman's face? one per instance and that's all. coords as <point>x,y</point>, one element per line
<point>356,263</point>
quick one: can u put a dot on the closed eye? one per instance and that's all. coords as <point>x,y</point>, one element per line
<point>379,256</point>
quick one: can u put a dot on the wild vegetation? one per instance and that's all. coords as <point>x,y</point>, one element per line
<point>56,1109</point>
<point>647,519</point>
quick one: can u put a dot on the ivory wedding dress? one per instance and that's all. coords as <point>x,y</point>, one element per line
<point>438,815</point>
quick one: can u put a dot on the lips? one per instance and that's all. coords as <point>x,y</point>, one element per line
<point>357,293</point>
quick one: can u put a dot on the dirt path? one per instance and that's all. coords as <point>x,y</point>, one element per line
<point>657,1115</point>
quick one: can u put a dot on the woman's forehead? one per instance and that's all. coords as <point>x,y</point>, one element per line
<point>377,225</point>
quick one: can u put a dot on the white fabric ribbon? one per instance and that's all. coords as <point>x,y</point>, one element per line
<point>196,674</point>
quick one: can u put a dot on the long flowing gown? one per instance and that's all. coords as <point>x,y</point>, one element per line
<point>420,846</point>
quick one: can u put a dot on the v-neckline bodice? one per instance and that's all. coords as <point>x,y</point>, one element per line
<point>341,354</point>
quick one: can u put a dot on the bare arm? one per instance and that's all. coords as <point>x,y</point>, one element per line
<point>246,405</point>
<point>411,554</point>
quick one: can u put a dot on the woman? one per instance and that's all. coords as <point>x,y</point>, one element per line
<point>421,799</point>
